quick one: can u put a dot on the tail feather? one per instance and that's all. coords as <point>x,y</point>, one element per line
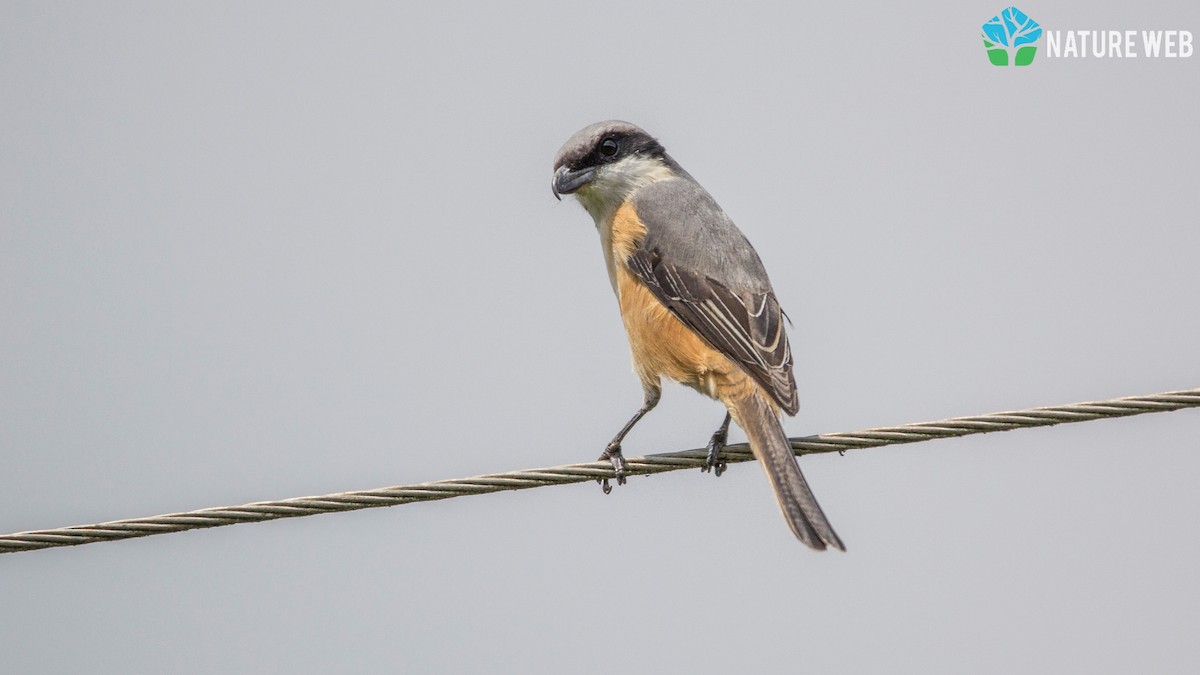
<point>770,445</point>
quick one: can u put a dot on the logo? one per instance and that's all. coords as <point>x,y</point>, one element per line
<point>1009,37</point>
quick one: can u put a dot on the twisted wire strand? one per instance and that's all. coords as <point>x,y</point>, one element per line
<point>578,473</point>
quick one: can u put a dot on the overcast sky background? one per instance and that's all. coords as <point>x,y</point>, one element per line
<point>253,251</point>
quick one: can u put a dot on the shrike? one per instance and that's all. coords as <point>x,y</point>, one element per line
<point>697,304</point>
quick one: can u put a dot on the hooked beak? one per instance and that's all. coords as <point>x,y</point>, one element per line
<point>566,181</point>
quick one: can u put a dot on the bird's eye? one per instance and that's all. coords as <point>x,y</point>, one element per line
<point>609,147</point>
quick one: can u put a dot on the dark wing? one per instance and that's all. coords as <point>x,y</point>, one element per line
<point>698,264</point>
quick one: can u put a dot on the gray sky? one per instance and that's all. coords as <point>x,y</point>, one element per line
<point>255,251</point>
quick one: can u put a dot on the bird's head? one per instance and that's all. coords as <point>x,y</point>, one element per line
<point>604,163</point>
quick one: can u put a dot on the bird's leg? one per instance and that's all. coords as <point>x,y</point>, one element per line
<point>612,452</point>
<point>715,446</point>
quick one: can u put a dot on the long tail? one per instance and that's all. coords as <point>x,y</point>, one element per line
<point>771,447</point>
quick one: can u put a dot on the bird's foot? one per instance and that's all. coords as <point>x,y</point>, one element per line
<point>715,445</point>
<point>613,454</point>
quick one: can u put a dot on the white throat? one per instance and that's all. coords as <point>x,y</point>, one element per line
<point>616,182</point>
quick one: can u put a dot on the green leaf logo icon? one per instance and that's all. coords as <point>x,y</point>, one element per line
<point>1008,38</point>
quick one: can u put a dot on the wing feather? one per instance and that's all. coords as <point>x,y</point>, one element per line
<point>746,327</point>
<point>697,262</point>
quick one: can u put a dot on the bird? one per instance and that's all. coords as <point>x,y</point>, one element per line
<point>696,302</point>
